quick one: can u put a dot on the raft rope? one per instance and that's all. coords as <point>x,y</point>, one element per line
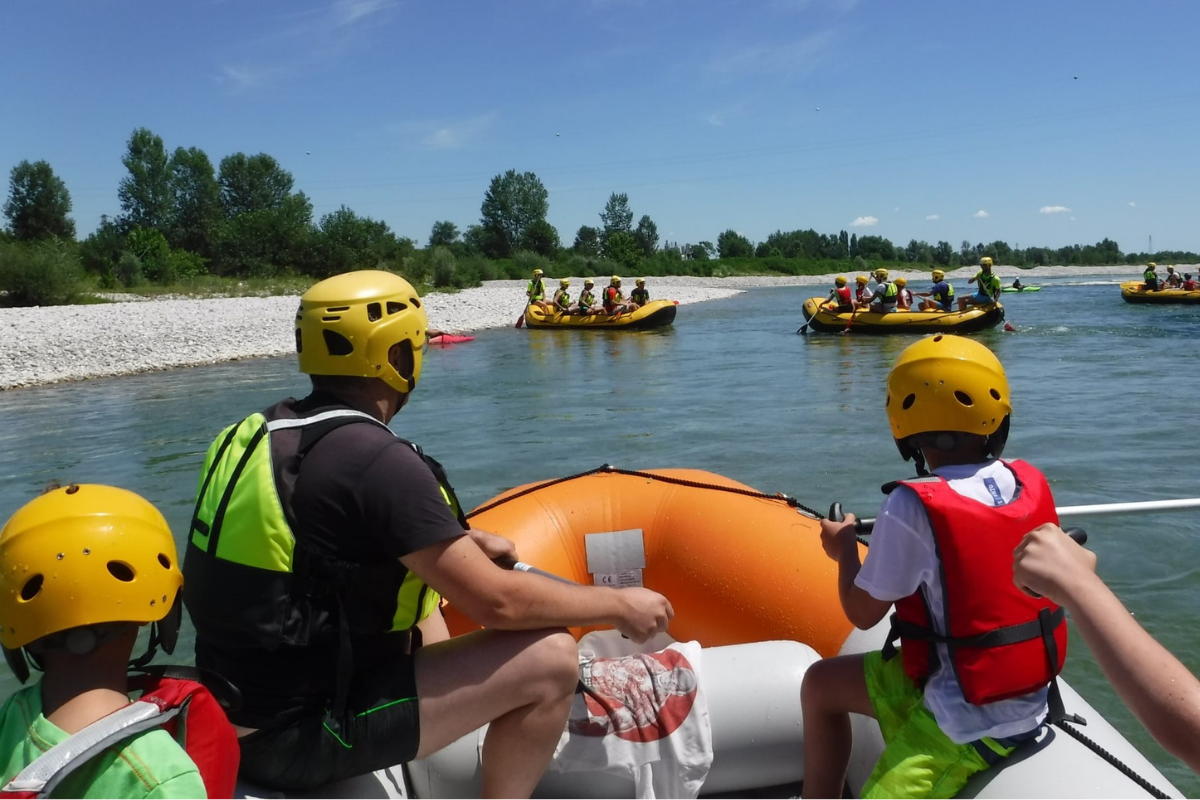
<point>1087,742</point>
<point>1119,765</point>
<point>610,469</point>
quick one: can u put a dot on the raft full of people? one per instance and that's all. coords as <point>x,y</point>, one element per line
<point>607,309</point>
<point>891,307</point>
<point>1171,288</point>
<point>321,545</point>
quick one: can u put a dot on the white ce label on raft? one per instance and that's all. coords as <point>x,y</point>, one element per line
<point>620,580</point>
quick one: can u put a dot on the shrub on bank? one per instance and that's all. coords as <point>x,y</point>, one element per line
<point>42,274</point>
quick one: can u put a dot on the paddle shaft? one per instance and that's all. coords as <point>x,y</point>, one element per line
<point>864,525</point>
<point>521,566</point>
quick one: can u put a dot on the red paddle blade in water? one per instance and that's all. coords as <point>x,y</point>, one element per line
<point>520,321</point>
<point>1008,327</point>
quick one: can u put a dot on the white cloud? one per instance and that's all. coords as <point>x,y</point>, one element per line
<point>717,119</point>
<point>932,216</point>
<point>1053,210</point>
<point>980,214</point>
<point>452,135</point>
<point>897,208</point>
<point>1132,204</point>
<point>348,12</point>
<point>863,222</point>
<point>792,59</point>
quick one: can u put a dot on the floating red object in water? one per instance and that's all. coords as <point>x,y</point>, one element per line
<point>1008,327</point>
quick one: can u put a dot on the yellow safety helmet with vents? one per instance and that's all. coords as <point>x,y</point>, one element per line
<point>616,278</point>
<point>86,555</point>
<point>1152,265</point>
<point>840,280</point>
<point>881,273</point>
<point>986,261</point>
<point>901,282</point>
<point>862,279</point>
<point>640,281</point>
<point>348,324</point>
<point>947,383</point>
<point>564,282</point>
<point>537,273</point>
<point>938,274</point>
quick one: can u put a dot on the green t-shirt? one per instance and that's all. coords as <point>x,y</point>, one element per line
<point>151,764</point>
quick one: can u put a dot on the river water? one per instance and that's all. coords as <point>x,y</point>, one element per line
<point>1102,390</point>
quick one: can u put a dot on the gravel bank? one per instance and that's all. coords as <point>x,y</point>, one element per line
<point>67,343</point>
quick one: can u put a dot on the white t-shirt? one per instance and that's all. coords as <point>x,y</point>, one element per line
<point>902,559</point>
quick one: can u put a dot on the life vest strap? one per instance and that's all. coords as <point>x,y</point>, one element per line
<point>1040,628</point>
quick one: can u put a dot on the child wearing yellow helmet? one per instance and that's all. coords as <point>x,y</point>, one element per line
<point>862,291</point>
<point>562,298</point>
<point>840,300</point>
<point>82,568</point>
<point>904,297</point>
<point>639,296</point>
<point>946,712</point>
<point>535,290</point>
<point>614,298</point>
<point>886,293</point>
<point>940,295</point>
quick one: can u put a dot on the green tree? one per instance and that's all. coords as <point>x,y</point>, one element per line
<point>646,235</point>
<point>252,183</point>
<point>943,253</point>
<point>271,241</point>
<point>541,238</point>
<point>152,252</point>
<point>703,251</point>
<point>513,202</point>
<point>443,234</point>
<point>197,217</point>
<point>616,217</point>
<point>623,248</point>
<point>587,241</point>
<point>475,238</point>
<point>732,244</point>
<point>146,193</point>
<point>38,204</point>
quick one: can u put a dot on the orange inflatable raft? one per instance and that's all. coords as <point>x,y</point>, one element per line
<point>738,565</point>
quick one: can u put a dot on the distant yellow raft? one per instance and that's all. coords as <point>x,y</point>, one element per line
<point>1135,292</point>
<point>652,315</point>
<point>975,318</point>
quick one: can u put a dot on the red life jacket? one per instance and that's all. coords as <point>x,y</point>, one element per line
<point>1002,642</point>
<point>843,293</point>
<point>186,709</point>
<point>861,291</point>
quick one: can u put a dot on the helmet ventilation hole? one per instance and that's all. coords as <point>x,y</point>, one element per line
<point>938,338</point>
<point>995,394</point>
<point>888,401</point>
<point>415,301</point>
<point>121,571</point>
<point>908,402</point>
<point>964,398</point>
<point>374,312</point>
<point>32,587</point>
<point>395,307</point>
<point>73,488</point>
<point>337,344</point>
<point>162,559</point>
<point>299,342</point>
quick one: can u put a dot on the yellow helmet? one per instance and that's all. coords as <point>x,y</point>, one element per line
<point>945,383</point>
<point>564,282</point>
<point>616,278</point>
<point>862,279</point>
<point>537,273</point>
<point>588,282</point>
<point>1153,265</point>
<point>901,282</point>
<point>986,261</point>
<point>938,274</point>
<point>881,273</point>
<point>840,280</point>
<point>86,555</point>
<point>640,281</point>
<point>348,324</point>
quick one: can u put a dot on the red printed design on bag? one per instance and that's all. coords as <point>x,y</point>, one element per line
<point>640,698</point>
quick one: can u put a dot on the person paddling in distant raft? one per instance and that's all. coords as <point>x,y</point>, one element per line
<point>904,297</point>
<point>885,296</point>
<point>1150,277</point>
<point>1172,281</point>
<point>82,569</point>
<point>639,294</point>
<point>321,543</point>
<point>945,713</point>
<point>839,296</point>
<point>941,294</point>
<point>536,292</point>
<point>862,292</point>
<point>1189,285</point>
<point>614,299</point>
<point>562,298</point>
<point>588,302</point>
<point>987,286</point>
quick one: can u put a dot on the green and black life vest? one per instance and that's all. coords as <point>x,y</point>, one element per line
<point>562,297</point>
<point>250,581</point>
<point>1150,278</point>
<point>640,296</point>
<point>890,293</point>
<point>536,290</point>
<point>587,298</point>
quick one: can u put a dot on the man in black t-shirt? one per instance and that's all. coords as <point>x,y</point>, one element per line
<point>321,540</point>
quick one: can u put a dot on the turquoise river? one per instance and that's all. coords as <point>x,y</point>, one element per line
<point>1103,395</point>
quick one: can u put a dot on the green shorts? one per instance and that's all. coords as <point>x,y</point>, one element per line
<point>918,759</point>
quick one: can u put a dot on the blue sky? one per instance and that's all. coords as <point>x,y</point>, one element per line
<point>1039,123</point>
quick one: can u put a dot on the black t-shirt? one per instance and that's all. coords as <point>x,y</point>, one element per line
<point>365,497</point>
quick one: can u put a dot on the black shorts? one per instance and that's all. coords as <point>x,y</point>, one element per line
<point>380,728</point>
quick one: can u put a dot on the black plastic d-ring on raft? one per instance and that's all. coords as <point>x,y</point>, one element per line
<point>610,469</point>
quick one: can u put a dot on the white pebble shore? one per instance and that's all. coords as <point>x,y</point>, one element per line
<point>69,343</point>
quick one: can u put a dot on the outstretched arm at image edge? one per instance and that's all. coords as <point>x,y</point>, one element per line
<point>1161,692</point>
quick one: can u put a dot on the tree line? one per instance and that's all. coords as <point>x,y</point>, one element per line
<point>182,218</point>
